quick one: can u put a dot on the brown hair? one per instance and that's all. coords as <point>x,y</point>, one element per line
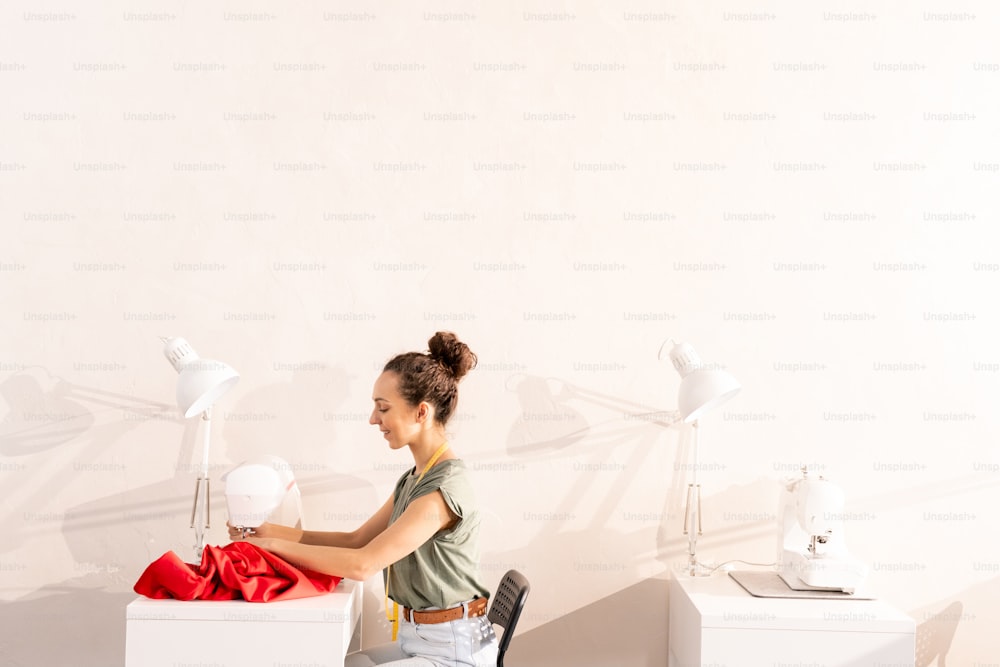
<point>434,377</point>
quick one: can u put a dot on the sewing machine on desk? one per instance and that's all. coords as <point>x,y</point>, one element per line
<point>317,631</point>
<point>811,611</point>
<point>812,550</point>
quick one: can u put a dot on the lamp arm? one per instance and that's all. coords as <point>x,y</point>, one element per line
<point>207,428</point>
<point>692,511</point>
<point>201,510</point>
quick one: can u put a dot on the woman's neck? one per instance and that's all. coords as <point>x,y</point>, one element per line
<point>424,449</point>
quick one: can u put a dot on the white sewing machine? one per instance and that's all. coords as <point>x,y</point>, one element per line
<point>812,553</point>
<point>260,490</point>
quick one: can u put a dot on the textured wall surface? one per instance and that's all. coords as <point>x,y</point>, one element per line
<point>804,192</point>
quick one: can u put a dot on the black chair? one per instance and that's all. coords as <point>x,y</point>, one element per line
<point>506,607</point>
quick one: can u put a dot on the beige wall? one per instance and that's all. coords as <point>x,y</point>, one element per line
<point>806,193</point>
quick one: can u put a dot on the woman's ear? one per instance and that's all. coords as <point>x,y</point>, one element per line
<point>425,412</point>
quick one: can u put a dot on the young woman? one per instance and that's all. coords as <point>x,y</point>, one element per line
<point>425,535</point>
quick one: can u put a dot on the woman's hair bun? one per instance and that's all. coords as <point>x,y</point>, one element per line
<point>446,348</point>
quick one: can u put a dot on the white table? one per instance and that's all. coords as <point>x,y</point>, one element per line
<point>714,622</point>
<point>317,631</point>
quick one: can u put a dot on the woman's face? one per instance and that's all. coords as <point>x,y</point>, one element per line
<point>398,420</point>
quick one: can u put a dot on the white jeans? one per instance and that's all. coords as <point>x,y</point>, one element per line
<point>466,642</point>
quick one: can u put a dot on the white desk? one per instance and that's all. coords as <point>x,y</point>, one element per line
<point>714,622</point>
<point>316,631</point>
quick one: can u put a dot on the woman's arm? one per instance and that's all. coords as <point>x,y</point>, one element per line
<point>424,517</point>
<point>352,540</point>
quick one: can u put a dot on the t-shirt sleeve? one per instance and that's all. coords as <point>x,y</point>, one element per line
<point>454,487</point>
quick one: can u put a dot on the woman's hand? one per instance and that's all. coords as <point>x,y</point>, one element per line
<point>265,543</point>
<point>237,534</point>
<point>271,530</point>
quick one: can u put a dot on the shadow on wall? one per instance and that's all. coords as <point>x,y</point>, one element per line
<point>549,423</point>
<point>552,426</point>
<point>963,631</point>
<point>71,624</point>
<point>43,412</point>
<point>113,537</point>
<point>626,629</point>
<point>259,424</point>
<point>935,634</point>
<point>135,526</point>
<point>79,621</point>
<point>47,417</point>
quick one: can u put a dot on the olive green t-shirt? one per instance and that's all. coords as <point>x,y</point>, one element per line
<point>444,571</point>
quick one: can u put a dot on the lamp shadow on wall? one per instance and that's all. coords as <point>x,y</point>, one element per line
<point>139,524</point>
<point>553,426</point>
<point>624,626</point>
<point>259,425</point>
<point>42,413</point>
<point>46,415</point>
<point>112,538</point>
<point>548,422</point>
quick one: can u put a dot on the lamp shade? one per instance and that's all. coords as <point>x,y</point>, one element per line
<point>705,390</point>
<point>201,382</point>
<point>702,389</point>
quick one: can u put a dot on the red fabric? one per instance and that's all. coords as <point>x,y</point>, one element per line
<point>237,570</point>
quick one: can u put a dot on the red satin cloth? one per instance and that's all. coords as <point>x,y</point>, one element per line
<point>237,570</point>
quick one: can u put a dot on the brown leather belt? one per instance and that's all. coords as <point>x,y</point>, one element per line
<point>476,608</point>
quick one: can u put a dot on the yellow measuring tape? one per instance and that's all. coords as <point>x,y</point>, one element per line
<point>392,615</point>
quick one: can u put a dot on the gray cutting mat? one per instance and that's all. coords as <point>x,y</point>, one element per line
<point>770,585</point>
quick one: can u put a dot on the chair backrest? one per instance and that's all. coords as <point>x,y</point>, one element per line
<point>506,607</point>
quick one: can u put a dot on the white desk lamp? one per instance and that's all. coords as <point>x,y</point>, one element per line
<point>702,390</point>
<point>200,383</point>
